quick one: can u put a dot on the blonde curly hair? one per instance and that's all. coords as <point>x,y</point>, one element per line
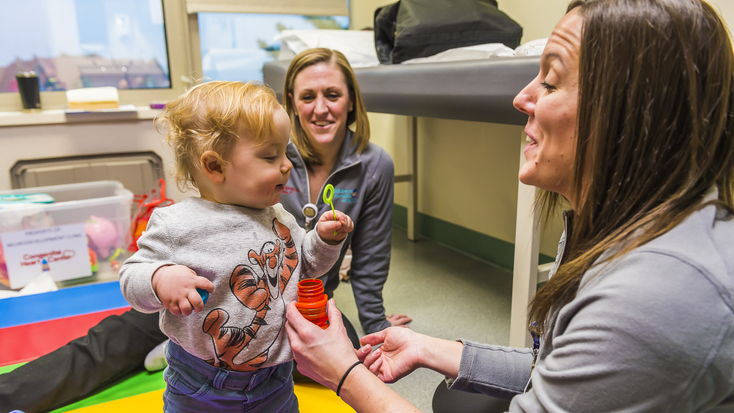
<point>213,116</point>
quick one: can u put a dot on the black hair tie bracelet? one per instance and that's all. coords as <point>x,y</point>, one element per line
<point>344,377</point>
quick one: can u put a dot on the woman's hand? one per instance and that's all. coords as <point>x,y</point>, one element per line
<point>331,231</point>
<point>399,320</point>
<point>175,286</point>
<point>401,353</point>
<point>323,355</point>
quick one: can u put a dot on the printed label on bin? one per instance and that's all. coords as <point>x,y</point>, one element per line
<point>64,248</point>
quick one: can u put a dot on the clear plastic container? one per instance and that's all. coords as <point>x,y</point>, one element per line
<point>103,205</point>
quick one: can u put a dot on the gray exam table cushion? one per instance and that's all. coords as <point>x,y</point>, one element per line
<point>473,90</point>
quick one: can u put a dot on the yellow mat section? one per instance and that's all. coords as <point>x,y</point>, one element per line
<point>142,403</point>
<point>312,398</point>
<point>315,398</point>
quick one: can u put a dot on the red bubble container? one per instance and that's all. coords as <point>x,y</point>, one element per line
<point>312,302</point>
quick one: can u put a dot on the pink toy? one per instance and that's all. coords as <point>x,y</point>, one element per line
<point>102,235</point>
<point>4,279</point>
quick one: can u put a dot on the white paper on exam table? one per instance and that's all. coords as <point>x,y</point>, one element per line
<point>358,46</point>
<point>475,52</point>
<point>482,51</point>
<point>531,48</point>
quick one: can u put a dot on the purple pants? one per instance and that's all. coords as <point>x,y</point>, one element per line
<point>195,386</point>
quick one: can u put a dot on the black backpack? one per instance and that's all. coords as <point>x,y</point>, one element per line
<point>420,28</point>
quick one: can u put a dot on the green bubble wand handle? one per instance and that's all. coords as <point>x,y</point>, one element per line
<point>328,199</point>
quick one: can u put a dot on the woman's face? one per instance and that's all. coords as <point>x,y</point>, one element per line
<point>321,102</point>
<point>551,103</point>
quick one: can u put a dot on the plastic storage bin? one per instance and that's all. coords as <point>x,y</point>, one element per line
<point>103,206</point>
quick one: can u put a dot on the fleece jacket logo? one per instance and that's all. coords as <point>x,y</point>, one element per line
<point>347,196</point>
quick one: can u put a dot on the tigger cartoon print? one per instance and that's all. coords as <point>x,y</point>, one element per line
<point>259,286</point>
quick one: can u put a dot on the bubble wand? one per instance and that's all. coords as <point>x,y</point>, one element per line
<point>328,199</point>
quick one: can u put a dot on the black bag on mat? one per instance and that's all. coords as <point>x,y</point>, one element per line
<point>420,28</point>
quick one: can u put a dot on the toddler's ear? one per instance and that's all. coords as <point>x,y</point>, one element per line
<point>213,166</point>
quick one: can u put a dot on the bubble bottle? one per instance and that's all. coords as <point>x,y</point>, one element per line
<point>312,302</point>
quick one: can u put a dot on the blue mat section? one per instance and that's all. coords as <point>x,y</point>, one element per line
<point>66,302</point>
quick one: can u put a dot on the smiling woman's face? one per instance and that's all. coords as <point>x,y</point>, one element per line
<point>322,104</point>
<point>551,103</point>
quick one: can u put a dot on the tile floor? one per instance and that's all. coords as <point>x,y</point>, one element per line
<point>448,295</point>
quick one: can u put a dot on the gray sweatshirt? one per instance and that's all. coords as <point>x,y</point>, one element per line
<point>363,185</point>
<point>652,331</point>
<point>254,258</point>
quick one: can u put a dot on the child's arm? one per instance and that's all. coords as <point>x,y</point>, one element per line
<point>150,280</point>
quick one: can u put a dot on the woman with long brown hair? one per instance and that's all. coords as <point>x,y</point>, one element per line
<point>631,121</point>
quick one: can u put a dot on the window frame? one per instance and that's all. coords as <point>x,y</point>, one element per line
<point>224,6</point>
<point>179,64</point>
<point>195,42</point>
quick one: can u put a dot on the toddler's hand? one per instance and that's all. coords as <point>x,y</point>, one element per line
<point>175,286</point>
<point>327,227</point>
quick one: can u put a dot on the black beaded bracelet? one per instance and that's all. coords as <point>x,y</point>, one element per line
<point>344,377</point>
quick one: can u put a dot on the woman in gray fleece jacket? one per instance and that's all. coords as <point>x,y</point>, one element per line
<point>322,98</point>
<point>630,120</point>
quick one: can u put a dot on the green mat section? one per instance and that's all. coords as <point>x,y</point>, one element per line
<point>7,369</point>
<point>138,383</point>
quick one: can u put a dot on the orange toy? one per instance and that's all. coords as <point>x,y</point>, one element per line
<point>312,302</point>
<point>93,260</point>
<point>143,212</point>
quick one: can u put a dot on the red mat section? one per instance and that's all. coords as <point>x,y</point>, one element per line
<point>26,342</point>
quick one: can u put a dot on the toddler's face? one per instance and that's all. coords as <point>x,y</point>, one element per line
<point>256,174</point>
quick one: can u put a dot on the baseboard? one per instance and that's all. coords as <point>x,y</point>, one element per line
<point>475,244</point>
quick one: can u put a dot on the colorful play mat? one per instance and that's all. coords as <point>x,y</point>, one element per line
<point>34,325</point>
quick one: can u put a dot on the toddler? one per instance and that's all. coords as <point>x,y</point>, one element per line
<point>234,243</point>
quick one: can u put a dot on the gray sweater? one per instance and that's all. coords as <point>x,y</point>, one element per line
<point>651,331</point>
<point>254,258</point>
